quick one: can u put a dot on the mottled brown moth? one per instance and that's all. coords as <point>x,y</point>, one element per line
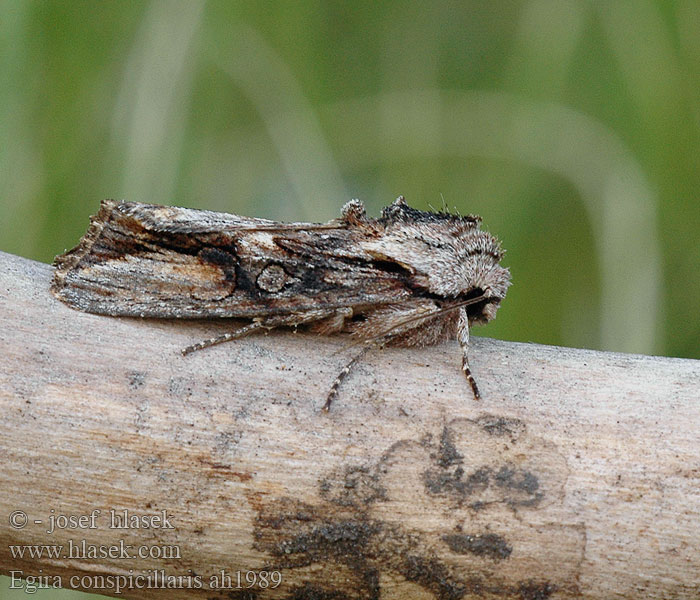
<point>408,278</point>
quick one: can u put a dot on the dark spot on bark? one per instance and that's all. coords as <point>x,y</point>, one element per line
<point>341,544</point>
<point>502,426</point>
<point>518,486</point>
<point>517,479</point>
<point>354,486</point>
<point>312,592</point>
<point>299,535</point>
<point>216,465</point>
<point>340,539</point>
<point>489,545</point>
<point>438,482</point>
<point>179,387</point>
<point>225,441</point>
<point>239,595</point>
<point>136,379</point>
<point>433,575</point>
<point>447,454</point>
<point>535,590</point>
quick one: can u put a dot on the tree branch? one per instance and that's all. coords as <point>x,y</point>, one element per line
<point>576,476</point>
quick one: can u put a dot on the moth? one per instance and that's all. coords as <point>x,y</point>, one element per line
<point>408,278</point>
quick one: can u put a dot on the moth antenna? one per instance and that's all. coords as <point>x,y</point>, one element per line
<point>226,337</point>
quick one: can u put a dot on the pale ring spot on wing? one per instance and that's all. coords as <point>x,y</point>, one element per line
<point>272,278</point>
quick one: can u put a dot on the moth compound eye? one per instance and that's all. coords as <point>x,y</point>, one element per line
<point>272,278</point>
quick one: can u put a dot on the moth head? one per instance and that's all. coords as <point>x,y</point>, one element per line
<point>445,257</point>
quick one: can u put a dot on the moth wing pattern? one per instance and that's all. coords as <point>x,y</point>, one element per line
<point>157,261</point>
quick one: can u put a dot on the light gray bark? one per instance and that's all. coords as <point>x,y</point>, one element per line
<point>576,476</point>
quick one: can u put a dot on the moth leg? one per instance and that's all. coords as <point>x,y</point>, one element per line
<point>227,337</point>
<point>342,375</point>
<point>463,336</point>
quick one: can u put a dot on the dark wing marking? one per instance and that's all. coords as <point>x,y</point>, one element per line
<point>156,261</point>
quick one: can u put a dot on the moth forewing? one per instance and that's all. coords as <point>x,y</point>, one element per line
<point>155,261</point>
<point>419,277</point>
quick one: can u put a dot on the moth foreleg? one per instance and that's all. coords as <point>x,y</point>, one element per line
<point>227,337</point>
<point>463,336</point>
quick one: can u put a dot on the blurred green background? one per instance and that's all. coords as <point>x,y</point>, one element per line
<point>572,127</point>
